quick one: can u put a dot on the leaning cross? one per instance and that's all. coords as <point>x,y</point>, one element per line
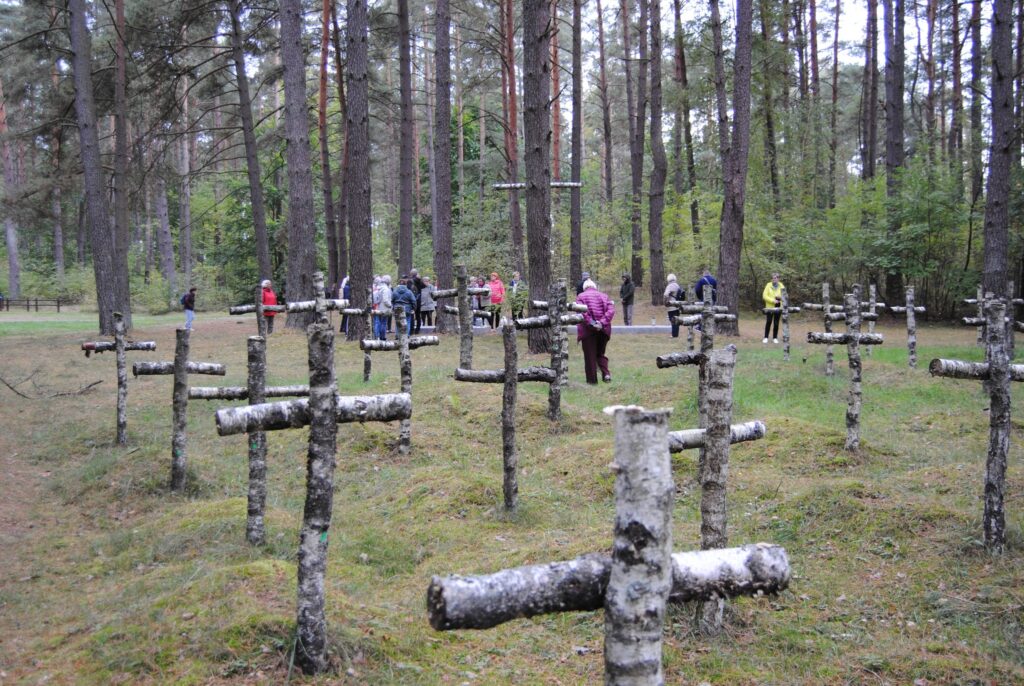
<point>403,345</point>
<point>322,412</point>
<point>119,345</point>
<point>996,373</point>
<point>910,310</point>
<point>853,339</point>
<point>634,582</point>
<point>785,309</point>
<point>181,367</point>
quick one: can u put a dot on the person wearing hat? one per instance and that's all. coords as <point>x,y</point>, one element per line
<point>595,331</point>
<point>583,280</point>
<point>673,291</point>
<point>269,298</point>
<point>626,291</point>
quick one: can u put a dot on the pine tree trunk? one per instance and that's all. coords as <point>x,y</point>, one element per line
<point>342,206</point>
<point>956,127</point>
<point>769,113</point>
<point>184,187</point>
<point>894,155</point>
<point>512,133</point>
<point>606,115</point>
<point>660,163</point>
<point>537,129</point>
<point>357,181</point>
<point>684,107</point>
<point>179,405</point>
<point>575,194</point>
<point>869,106</point>
<point>405,159</point>
<point>997,194</point>
<point>255,529</point>
<point>301,226</point>
<point>121,191</point>
<point>636,153</point>
<point>833,144</point>
<point>109,297</point>
<point>731,234</point>
<point>164,242</point>
<point>333,273</point>
<point>442,226</point>
<point>721,99</point>
<point>556,99</point>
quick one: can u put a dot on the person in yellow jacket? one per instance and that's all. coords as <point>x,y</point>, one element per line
<point>772,296</point>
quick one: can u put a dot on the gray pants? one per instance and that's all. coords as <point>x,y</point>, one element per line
<point>627,314</point>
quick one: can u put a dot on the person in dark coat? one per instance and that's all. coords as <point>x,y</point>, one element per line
<point>626,291</point>
<point>416,285</point>
<point>706,281</point>
<point>189,303</point>
<point>583,280</point>
<point>595,331</point>
<point>403,297</point>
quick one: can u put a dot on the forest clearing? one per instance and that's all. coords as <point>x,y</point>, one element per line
<point>111,578</point>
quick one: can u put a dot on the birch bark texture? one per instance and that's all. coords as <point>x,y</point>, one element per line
<point>405,376</point>
<point>122,381</point>
<point>509,455</point>
<point>853,353</point>
<point>179,415</point>
<point>559,348</point>
<point>640,580</point>
<point>311,624</point>
<point>255,528</point>
<point>713,468</point>
<point>830,367</point>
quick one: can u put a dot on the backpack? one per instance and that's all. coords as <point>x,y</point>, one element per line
<point>182,301</point>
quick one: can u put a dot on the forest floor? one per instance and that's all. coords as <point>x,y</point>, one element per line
<point>106,577</point>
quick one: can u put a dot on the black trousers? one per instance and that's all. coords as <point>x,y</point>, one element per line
<point>427,317</point>
<point>769,318</point>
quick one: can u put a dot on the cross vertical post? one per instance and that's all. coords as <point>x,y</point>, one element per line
<point>122,380</point>
<point>509,456</point>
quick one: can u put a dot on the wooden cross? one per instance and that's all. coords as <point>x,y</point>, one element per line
<point>635,582</point>
<point>119,346</point>
<point>403,345</point>
<point>853,339</point>
<point>462,291</point>
<point>256,392</point>
<point>259,308</point>
<point>996,373</point>
<point>560,313</point>
<point>322,411</point>
<point>872,304</point>
<point>910,309</point>
<point>1012,325</point>
<point>181,367</point>
<point>785,309</point>
<point>704,314</point>
<point>826,308</point>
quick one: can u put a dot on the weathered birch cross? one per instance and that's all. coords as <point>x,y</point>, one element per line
<point>510,376</point>
<point>826,308</point>
<point>1012,325</point>
<point>704,314</point>
<point>853,339</point>
<point>322,412</point>
<point>996,373</point>
<point>259,308</point>
<point>910,309</point>
<point>256,392</point>
<point>785,309</point>
<point>462,291</point>
<point>979,302</point>
<point>872,304</point>
<point>119,345</point>
<point>403,345</point>
<point>634,581</point>
<point>181,367</point>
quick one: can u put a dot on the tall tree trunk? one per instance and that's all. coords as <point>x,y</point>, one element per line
<point>684,86</point>
<point>185,187</point>
<point>812,29</point>
<point>121,235</point>
<point>833,143</point>
<point>800,45</point>
<point>977,99</point>
<point>869,106</point>
<point>556,99</point>
<point>10,184</point>
<point>731,233</point>
<point>770,154</point>
<point>58,233</point>
<point>894,155</point>
<point>997,200</point>
<point>252,160</point>
<point>625,14</point>
<point>537,129</point>
<point>660,168</point>
<point>301,230</point>
<point>110,296</point>
<point>405,159</point>
<point>80,232</point>
<point>460,119</point>
<point>931,9</point>
<point>358,178</point>
<point>575,208</point>
<point>164,242</point>
<point>606,115</point>
<point>333,274</point>
<point>342,207</point>
<point>512,132</point>
<point>636,152</point>
<point>956,127</point>
<point>721,99</point>
<point>442,224</point>
<point>57,140</point>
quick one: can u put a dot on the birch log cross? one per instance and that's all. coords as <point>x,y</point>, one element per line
<point>996,373</point>
<point>785,309</point>
<point>256,392</point>
<point>403,345</point>
<point>871,308</point>
<point>298,306</point>
<point>826,308</point>
<point>853,339</point>
<point>462,292</point>
<point>560,314</point>
<point>119,345</point>
<point>1012,325</point>
<point>322,411</point>
<point>509,376</point>
<point>910,309</point>
<point>180,368</point>
<point>634,582</point>
<point>703,314</point>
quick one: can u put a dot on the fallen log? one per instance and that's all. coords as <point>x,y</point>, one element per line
<point>295,413</point>
<point>481,602</point>
<point>162,368</point>
<point>678,441</point>
<point>545,374</point>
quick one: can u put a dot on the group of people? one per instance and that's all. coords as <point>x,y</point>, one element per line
<point>516,291</point>
<point>414,294</point>
<point>673,291</point>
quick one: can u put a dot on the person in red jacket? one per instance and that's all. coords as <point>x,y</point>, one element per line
<point>269,298</point>
<point>595,331</point>
<point>497,297</point>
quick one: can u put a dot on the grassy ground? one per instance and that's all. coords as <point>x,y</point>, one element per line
<point>108,578</point>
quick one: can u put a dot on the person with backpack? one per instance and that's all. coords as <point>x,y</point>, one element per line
<point>188,301</point>
<point>673,291</point>
<point>403,297</point>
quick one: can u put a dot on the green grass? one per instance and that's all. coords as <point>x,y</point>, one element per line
<point>119,581</point>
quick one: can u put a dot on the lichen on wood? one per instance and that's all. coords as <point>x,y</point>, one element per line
<point>290,414</point>
<point>509,455</point>
<point>679,359</point>
<point>688,439</point>
<point>255,529</point>
<point>179,415</point>
<point>122,380</point>
<point>853,353</point>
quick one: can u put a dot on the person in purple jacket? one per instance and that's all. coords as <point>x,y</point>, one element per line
<point>595,331</point>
